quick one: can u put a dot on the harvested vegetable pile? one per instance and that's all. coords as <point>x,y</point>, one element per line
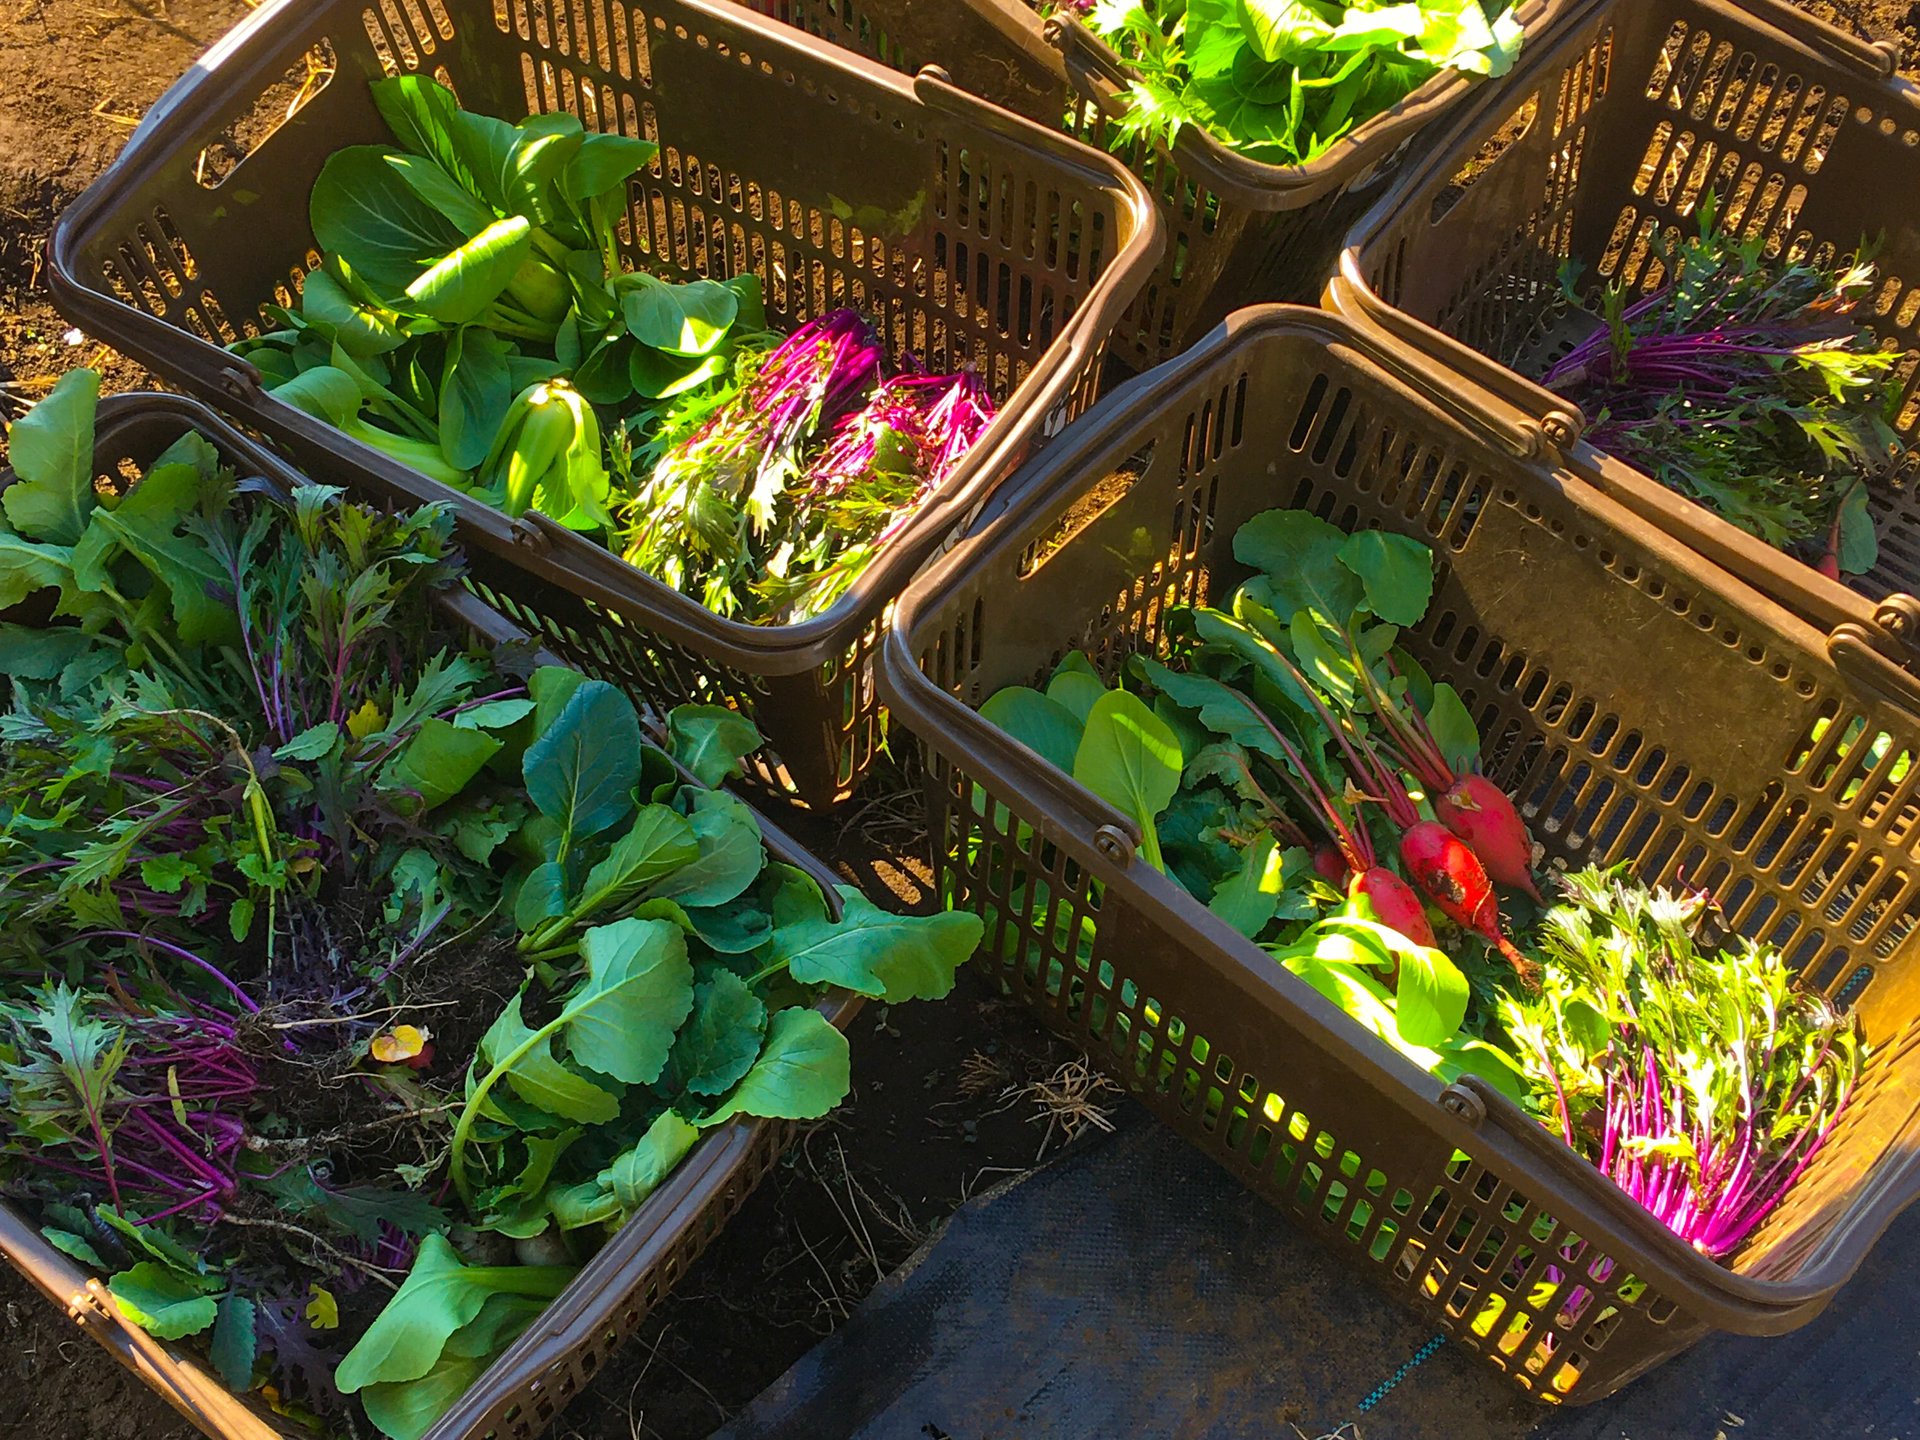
<point>358,979</point>
<point>1300,775</point>
<point>471,319</point>
<point>1282,81</point>
<point>1751,384</point>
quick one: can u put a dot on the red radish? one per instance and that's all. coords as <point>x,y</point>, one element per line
<point>1331,866</point>
<point>1395,903</point>
<point>1470,805</point>
<point>1479,812</point>
<point>1350,859</point>
<point>1829,565</point>
<point>1451,875</point>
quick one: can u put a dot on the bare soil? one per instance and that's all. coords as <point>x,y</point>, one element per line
<point>948,1099</point>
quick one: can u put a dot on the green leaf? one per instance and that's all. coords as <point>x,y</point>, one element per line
<point>26,567</point>
<point>736,929</point>
<point>582,769</point>
<point>476,390</point>
<point>311,743</point>
<point>234,1343</point>
<point>804,1071</point>
<point>603,162</point>
<point>440,190</point>
<point>1222,709</point>
<point>551,686</point>
<point>717,1045</point>
<point>165,1303</point>
<point>458,287</point>
<point>689,319</point>
<point>75,1246</point>
<point>1453,727</point>
<point>1131,759</point>
<point>542,896</point>
<point>1248,899</point>
<point>1040,723</point>
<point>656,375</point>
<point>1396,571</point>
<point>440,1297</point>
<point>1859,541</point>
<point>408,1410</point>
<point>639,988</point>
<point>710,741</point>
<point>442,759</point>
<point>638,1172</point>
<point>1076,691</point>
<point>144,524</point>
<point>1300,555</point>
<point>1430,1001</point>
<point>875,952</point>
<point>51,451</point>
<point>731,853</point>
<point>493,714</point>
<point>362,210</point>
<point>361,330</point>
<point>29,653</point>
<point>660,842</point>
<point>533,1074</point>
<point>325,392</point>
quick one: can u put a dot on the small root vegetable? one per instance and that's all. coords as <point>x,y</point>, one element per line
<point>1331,866</point>
<point>1448,872</point>
<point>1480,813</point>
<point>1394,902</point>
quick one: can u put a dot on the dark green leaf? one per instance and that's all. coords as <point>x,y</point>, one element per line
<point>804,1071</point>
<point>1396,571</point>
<point>1453,728</point>
<point>639,988</point>
<point>689,319</point>
<point>603,162</point>
<point>441,759</point>
<point>533,1073</point>
<point>542,896</point>
<point>1130,759</point>
<point>582,769</point>
<point>875,952</point>
<point>1043,725</point>
<point>51,451</point>
<point>476,390</point>
<point>660,842</point>
<point>637,1173</point>
<point>1300,556</point>
<point>719,1042</point>
<point>311,743</point>
<point>731,853</point>
<point>234,1343</point>
<point>362,210</point>
<point>161,1300</point>
<point>710,741</point>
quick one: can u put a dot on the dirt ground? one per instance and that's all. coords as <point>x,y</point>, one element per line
<point>948,1099</point>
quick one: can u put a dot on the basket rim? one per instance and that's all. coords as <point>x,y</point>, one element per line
<point>1584,1198</point>
<point>604,1283</point>
<point>1350,293</point>
<point>540,544</point>
<point>1096,72</point>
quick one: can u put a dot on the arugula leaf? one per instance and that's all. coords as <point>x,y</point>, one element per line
<point>875,952</point>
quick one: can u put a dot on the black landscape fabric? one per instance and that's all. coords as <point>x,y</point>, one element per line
<point>1131,1290</point>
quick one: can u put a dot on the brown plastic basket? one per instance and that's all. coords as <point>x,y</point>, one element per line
<point>1640,704</point>
<point>519,1395</point>
<point>972,237</point>
<point>1238,232</point>
<point>1605,139</point>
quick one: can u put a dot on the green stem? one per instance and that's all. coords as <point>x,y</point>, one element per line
<point>471,1112</point>
<point>766,974</point>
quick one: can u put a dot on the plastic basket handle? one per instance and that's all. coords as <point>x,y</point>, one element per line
<point>1526,421</point>
<point>1875,59</point>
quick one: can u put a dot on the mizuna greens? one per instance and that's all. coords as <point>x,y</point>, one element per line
<point>471,318</point>
<point>1281,81</point>
<point>1750,384</point>
<point>1297,772</point>
<point>357,981</point>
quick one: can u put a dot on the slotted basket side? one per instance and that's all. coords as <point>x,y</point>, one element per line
<point>1641,707</point>
<point>1238,231</point>
<point>1599,152</point>
<point>519,1395</point>
<point>972,238</point>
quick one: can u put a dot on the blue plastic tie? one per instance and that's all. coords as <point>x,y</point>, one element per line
<point>1381,1391</point>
